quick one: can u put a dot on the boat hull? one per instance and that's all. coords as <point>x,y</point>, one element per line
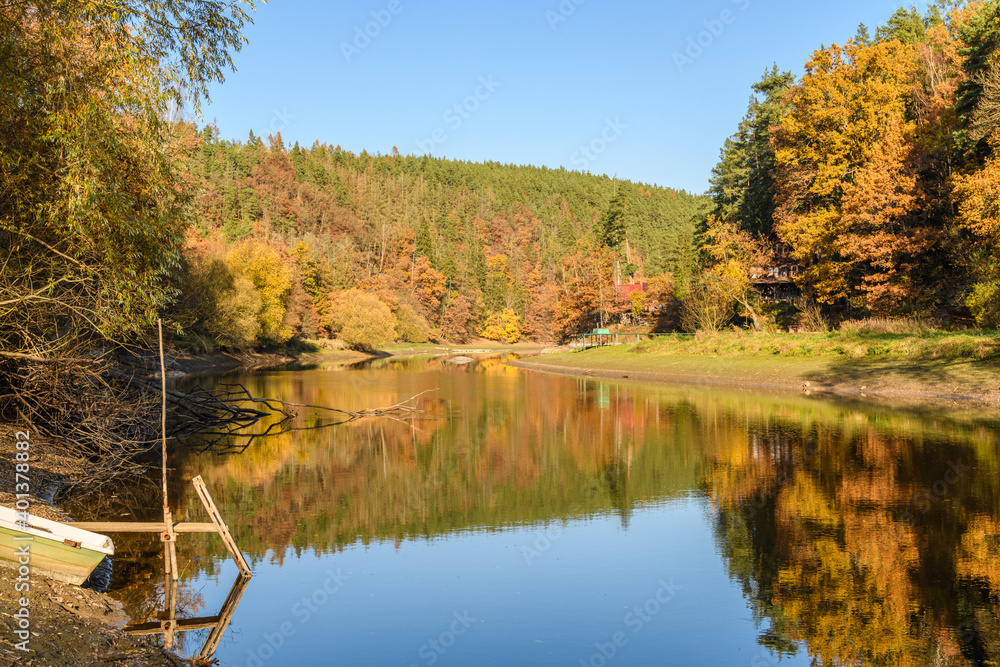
<point>55,550</point>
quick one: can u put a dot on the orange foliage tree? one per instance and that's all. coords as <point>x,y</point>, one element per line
<point>846,188</point>
<point>588,289</point>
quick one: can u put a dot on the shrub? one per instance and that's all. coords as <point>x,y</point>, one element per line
<point>411,327</point>
<point>505,326</point>
<point>812,319</point>
<point>363,320</point>
<point>707,306</point>
<point>984,302</point>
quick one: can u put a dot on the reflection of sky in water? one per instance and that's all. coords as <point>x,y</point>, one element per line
<point>585,582</point>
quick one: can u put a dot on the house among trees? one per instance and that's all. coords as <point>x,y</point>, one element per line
<point>625,292</point>
<point>776,282</point>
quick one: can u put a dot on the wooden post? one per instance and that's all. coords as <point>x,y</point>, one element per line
<point>169,624</point>
<point>163,420</point>
<point>227,538</point>
<point>168,536</point>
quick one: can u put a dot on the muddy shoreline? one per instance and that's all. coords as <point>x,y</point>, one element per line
<point>68,625</point>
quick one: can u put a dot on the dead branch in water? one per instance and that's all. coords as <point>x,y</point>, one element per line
<point>400,407</point>
<point>101,407</point>
<point>216,417</point>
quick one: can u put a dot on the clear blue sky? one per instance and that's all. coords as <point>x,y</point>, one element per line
<point>534,81</point>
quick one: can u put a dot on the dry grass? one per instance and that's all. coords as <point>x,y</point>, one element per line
<point>886,325</point>
<point>811,319</point>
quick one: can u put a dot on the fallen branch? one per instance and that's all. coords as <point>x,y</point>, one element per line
<point>218,435</point>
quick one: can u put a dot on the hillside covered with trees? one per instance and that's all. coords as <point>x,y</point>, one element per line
<point>314,242</point>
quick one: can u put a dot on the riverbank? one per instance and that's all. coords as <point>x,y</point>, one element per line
<point>942,365</point>
<point>75,626</point>
<point>69,625</point>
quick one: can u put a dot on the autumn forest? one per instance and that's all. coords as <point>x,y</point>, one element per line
<point>874,172</point>
<point>875,169</point>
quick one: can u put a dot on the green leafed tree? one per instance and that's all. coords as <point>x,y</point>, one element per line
<point>614,225</point>
<point>905,25</point>
<point>980,36</point>
<point>743,180</point>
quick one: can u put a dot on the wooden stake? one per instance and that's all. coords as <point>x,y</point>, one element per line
<point>163,420</point>
<point>225,616</point>
<point>169,537</point>
<point>213,514</point>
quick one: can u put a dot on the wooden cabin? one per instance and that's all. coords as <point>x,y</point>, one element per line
<point>777,281</point>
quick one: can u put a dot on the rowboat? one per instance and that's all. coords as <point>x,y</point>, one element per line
<point>56,550</point>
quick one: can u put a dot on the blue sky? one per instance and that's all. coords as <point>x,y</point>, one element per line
<point>590,85</point>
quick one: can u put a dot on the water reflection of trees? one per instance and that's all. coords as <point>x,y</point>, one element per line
<point>843,525</point>
<point>871,540</point>
<point>505,450</point>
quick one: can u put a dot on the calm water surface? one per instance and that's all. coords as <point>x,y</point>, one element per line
<point>530,519</point>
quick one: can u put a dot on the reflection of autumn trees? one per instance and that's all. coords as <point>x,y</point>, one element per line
<point>495,448</point>
<point>866,536</point>
<point>852,536</point>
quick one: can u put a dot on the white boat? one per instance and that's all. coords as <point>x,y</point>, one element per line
<point>55,550</point>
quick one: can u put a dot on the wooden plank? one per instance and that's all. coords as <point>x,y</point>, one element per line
<point>213,514</point>
<point>183,625</point>
<point>145,527</point>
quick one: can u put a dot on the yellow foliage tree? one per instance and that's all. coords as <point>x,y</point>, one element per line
<point>363,320</point>
<point>504,325</point>
<point>271,276</point>
<point>978,197</point>
<point>846,189</point>
<point>735,255</point>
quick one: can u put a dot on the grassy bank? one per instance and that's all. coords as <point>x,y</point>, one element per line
<point>922,363</point>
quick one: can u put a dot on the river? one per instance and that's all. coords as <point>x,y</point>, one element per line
<point>530,519</point>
